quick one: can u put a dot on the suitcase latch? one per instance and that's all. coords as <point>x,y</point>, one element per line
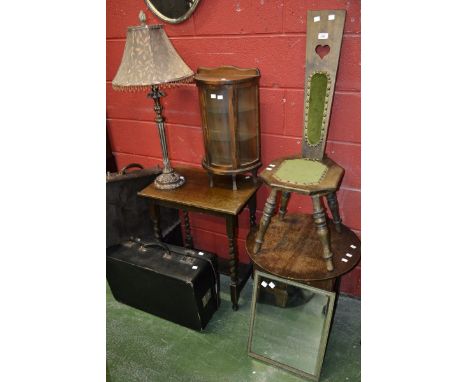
<point>167,256</point>
<point>187,260</point>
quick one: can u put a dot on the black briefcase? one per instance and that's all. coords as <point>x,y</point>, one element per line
<point>171,282</point>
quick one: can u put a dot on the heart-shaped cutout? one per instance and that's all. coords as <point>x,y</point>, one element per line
<point>322,50</point>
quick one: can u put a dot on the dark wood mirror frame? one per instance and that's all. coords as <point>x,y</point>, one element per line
<point>323,339</point>
<point>172,11</point>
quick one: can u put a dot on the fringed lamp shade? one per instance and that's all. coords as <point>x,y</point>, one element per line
<point>150,59</point>
<point>150,62</point>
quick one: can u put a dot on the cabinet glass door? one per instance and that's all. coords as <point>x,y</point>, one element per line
<point>247,123</point>
<point>217,121</point>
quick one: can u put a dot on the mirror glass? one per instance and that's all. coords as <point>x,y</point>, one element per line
<point>290,324</point>
<point>172,11</point>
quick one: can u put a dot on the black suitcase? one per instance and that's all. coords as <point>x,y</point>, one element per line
<point>171,282</point>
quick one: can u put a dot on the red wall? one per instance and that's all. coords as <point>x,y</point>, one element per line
<point>270,35</point>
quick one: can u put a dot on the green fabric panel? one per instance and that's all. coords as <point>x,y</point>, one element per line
<point>301,171</point>
<point>318,90</point>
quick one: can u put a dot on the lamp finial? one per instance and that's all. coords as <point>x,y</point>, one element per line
<point>142,18</point>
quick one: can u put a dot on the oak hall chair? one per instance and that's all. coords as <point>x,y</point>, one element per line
<point>312,173</point>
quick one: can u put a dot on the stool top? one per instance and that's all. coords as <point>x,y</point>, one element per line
<point>301,171</point>
<point>326,182</point>
<point>292,249</point>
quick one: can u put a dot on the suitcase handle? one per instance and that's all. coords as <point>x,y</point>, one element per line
<point>156,244</point>
<point>128,166</point>
<point>150,244</point>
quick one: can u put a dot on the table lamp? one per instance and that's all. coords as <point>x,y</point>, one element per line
<point>150,62</point>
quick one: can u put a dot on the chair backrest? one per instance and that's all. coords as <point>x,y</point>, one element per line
<point>324,35</point>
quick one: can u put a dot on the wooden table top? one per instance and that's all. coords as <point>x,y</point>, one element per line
<point>292,249</point>
<point>196,192</point>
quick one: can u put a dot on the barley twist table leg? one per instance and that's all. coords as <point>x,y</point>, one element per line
<point>188,235</point>
<point>231,225</point>
<point>253,210</point>
<point>154,213</point>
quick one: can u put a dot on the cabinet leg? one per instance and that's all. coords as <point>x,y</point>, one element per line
<point>188,235</point>
<point>284,203</point>
<point>210,177</point>
<point>234,183</point>
<point>334,208</point>
<point>322,231</point>
<point>231,226</point>
<point>254,175</point>
<point>265,221</point>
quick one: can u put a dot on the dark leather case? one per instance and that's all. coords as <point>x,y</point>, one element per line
<point>171,282</point>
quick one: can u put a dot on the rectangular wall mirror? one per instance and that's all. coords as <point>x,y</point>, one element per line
<point>289,324</point>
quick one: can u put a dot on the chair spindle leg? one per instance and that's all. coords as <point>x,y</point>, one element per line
<point>322,231</point>
<point>334,208</point>
<point>284,203</point>
<point>265,221</point>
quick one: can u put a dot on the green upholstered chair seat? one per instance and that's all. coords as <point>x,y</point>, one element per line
<point>301,171</point>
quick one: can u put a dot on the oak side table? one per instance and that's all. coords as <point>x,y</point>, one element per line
<point>196,195</point>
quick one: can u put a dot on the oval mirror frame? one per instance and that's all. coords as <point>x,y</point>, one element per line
<point>182,13</point>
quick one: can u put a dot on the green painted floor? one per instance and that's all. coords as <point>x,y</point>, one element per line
<point>141,347</point>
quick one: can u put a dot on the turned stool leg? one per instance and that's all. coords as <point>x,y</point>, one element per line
<point>322,231</point>
<point>284,203</point>
<point>333,205</point>
<point>265,221</point>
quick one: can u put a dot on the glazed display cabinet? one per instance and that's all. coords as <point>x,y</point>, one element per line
<point>229,105</point>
